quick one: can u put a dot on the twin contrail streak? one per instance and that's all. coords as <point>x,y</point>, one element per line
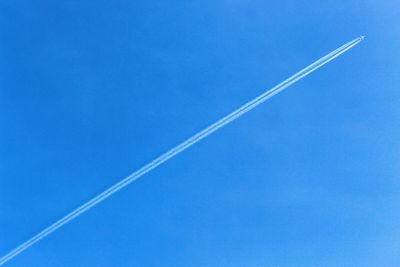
<point>179,148</point>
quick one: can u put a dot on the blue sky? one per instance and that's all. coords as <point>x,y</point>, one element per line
<point>90,91</point>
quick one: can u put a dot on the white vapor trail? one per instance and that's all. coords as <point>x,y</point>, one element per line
<point>179,148</point>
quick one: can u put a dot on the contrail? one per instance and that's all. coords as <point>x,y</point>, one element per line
<point>181,147</point>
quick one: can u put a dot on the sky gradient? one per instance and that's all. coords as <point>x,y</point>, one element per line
<point>89,92</point>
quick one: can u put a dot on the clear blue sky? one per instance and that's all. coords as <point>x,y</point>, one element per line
<point>91,90</point>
